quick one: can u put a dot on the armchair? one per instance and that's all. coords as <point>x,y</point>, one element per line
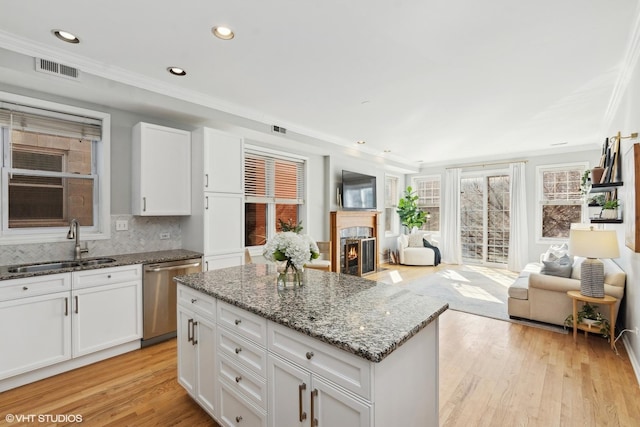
<point>412,251</point>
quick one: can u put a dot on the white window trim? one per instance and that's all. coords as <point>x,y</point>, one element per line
<point>395,220</point>
<point>102,230</point>
<point>271,212</point>
<point>539,170</point>
<point>435,177</point>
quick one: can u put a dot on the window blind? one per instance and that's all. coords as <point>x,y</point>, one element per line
<point>35,120</point>
<point>269,178</point>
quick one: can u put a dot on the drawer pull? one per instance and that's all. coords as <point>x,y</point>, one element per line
<point>238,378</point>
<point>108,276</point>
<point>237,321</point>
<point>314,421</point>
<point>309,355</point>
<point>303,415</point>
<point>238,350</point>
<point>238,418</point>
<point>24,288</point>
<point>193,300</point>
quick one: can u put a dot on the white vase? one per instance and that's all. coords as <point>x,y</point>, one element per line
<point>609,214</point>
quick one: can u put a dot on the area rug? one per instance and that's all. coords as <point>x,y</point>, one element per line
<point>474,289</point>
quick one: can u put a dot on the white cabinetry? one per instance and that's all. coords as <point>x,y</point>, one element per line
<point>106,308</point>
<point>197,347</point>
<point>216,226</point>
<point>36,323</point>
<point>51,323</point>
<point>161,170</point>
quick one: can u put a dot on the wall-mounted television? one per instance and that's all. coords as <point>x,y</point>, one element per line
<point>358,191</point>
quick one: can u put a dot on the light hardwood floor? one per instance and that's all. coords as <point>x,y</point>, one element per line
<point>492,373</point>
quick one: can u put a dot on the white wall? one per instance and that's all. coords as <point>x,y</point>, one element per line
<point>627,121</point>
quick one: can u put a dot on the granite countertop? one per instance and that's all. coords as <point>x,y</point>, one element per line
<point>367,318</point>
<point>123,259</point>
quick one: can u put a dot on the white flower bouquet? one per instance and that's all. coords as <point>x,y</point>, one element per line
<point>295,249</point>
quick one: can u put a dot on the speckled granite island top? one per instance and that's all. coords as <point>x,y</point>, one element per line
<point>369,319</point>
<point>119,260</point>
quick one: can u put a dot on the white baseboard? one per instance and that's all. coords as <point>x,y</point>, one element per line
<point>633,358</point>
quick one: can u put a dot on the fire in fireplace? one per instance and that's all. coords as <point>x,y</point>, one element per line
<point>360,256</point>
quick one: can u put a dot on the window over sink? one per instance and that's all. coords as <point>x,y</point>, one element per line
<point>55,167</point>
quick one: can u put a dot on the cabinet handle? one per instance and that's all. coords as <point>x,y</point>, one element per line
<point>108,276</point>
<point>24,288</point>
<point>76,298</point>
<point>303,415</point>
<point>237,321</point>
<point>189,330</point>
<point>206,180</point>
<point>206,202</point>
<point>144,204</point>
<point>238,350</point>
<point>193,300</point>
<point>238,378</point>
<point>66,306</point>
<point>314,421</point>
<point>309,355</point>
<point>206,263</point>
<point>238,418</point>
<point>195,341</point>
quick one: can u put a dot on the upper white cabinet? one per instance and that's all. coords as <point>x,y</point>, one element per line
<point>161,170</point>
<point>216,224</point>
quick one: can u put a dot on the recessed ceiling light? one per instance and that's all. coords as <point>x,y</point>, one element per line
<point>361,142</point>
<point>177,71</point>
<point>387,151</point>
<point>223,33</point>
<point>66,36</point>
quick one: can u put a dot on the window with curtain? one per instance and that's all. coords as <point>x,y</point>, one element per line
<point>274,191</point>
<point>428,191</point>
<point>391,219</point>
<point>559,199</point>
<point>50,168</point>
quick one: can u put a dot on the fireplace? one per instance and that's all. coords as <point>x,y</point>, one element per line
<point>360,227</point>
<point>359,256</point>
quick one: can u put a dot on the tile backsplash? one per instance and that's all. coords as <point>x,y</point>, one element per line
<point>143,235</point>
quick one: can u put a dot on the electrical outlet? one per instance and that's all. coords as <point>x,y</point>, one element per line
<point>122,225</point>
<point>165,236</point>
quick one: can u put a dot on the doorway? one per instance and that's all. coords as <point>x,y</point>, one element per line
<point>484,218</point>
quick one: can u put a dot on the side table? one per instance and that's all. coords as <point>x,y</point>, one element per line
<point>606,300</point>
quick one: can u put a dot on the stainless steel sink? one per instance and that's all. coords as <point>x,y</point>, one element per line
<point>60,265</point>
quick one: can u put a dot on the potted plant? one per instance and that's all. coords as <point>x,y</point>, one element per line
<point>610,209</point>
<point>410,214</point>
<point>589,315</point>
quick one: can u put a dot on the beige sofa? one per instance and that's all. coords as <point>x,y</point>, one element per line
<point>544,298</point>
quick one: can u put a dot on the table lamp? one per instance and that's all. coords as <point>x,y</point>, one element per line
<point>593,244</point>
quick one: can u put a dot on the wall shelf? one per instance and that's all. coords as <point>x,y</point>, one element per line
<point>603,188</point>
<point>605,221</point>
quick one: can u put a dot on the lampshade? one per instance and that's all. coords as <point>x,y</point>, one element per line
<point>593,243</point>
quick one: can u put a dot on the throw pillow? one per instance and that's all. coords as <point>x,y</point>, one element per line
<point>560,267</point>
<point>415,240</point>
<point>555,252</point>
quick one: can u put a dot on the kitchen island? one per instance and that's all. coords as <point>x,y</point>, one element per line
<point>338,351</point>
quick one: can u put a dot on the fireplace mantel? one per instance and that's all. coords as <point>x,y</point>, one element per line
<point>340,220</point>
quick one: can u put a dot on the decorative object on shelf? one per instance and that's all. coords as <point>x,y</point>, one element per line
<point>589,315</point>
<point>593,244</point>
<point>610,209</point>
<point>596,174</point>
<point>585,183</point>
<point>410,214</point>
<point>291,251</point>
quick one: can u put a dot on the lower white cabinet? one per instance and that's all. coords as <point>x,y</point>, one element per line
<point>215,262</point>
<point>50,322</point>
<point>35,332</point>
<point>197,351</point>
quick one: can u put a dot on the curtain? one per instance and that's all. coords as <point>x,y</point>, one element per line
<point>519,228</point>
<point>451,244</point>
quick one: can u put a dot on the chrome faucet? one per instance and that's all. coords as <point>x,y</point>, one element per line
<point>74,233</point>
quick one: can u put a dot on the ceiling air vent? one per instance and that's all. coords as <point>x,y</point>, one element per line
<point>278,129</point>
<point>57,69</point>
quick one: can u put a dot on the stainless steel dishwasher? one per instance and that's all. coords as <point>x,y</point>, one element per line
<point>159,298</point>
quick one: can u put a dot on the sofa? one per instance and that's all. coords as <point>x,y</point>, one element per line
<point>412,250</point>
<point>543,297</point>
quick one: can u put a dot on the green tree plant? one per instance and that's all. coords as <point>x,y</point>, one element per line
<point>410,214</point>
